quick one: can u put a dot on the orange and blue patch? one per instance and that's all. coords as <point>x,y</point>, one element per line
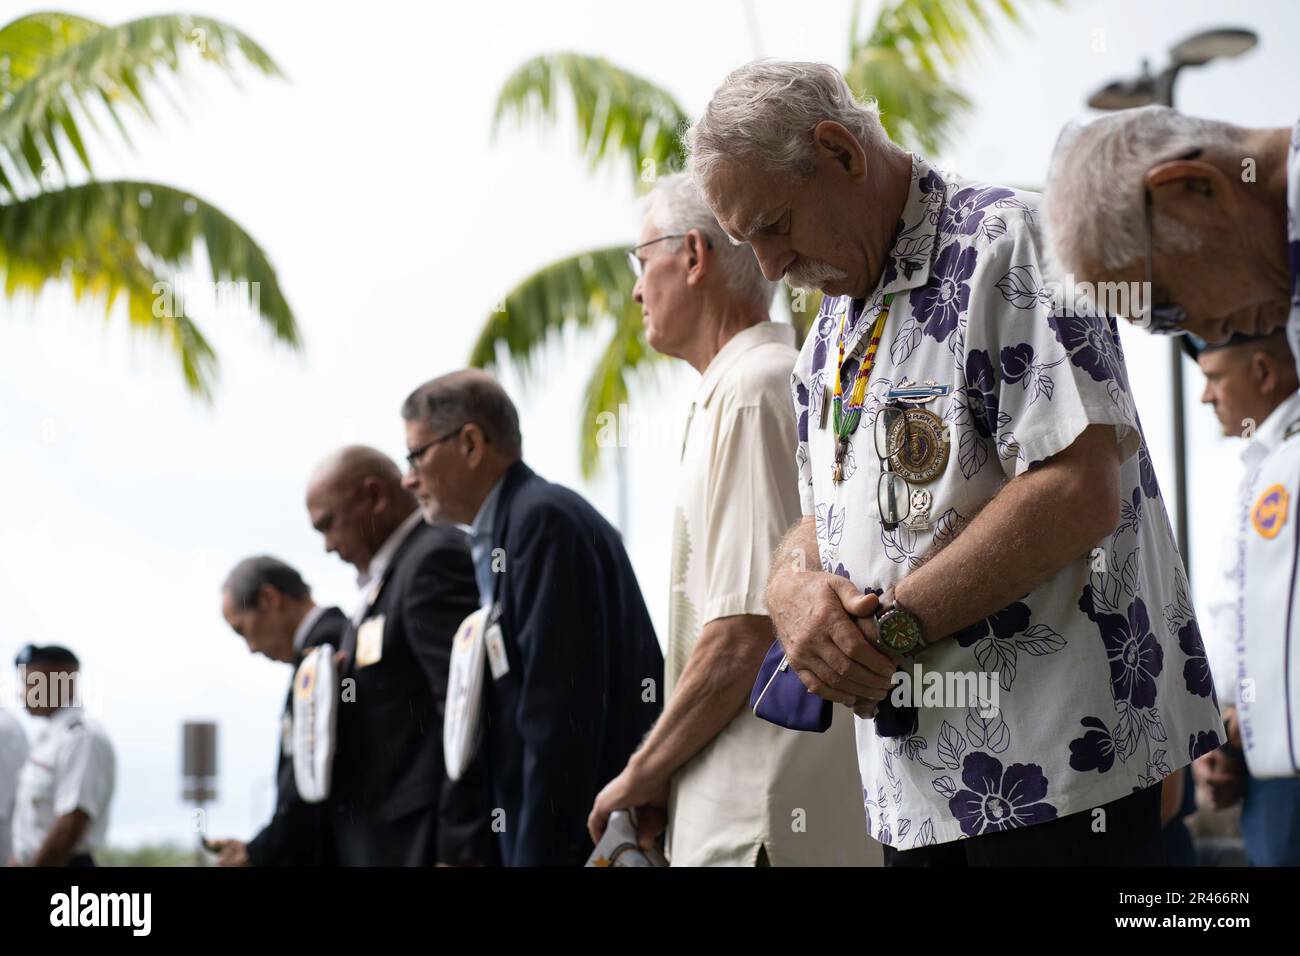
<point>1270,511</point>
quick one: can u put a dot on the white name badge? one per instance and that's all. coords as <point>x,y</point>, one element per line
<point>1268,639</point>
<point>315,714</point>
<point>464,705</point>
<point>370,641</point>
<point>496,652</point>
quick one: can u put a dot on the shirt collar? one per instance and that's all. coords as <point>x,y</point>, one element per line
<point>487,512</point>
<point>304,627</point>
<point>758,334</point>
<point>379,563</point>
<point>907,266</point>
<point>1270,432</point>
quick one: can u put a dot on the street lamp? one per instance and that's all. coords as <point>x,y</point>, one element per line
<point>1144,90</point>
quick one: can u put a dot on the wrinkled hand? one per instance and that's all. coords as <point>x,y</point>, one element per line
<point>632,790</point>
<point>1221,774</point>
<point>827,629</point>
<point>230,852</point>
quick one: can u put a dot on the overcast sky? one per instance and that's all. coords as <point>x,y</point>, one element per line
<point>395,221</point>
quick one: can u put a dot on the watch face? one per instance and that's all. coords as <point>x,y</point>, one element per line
<point>899,631</point>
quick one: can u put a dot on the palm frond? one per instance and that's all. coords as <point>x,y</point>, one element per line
<point>67,64</point>
<point>581,289</point>
<point>124,238</point>
<point>621,116</point>
<point>28,43</point>
<point>933,34</point>
<point>918,109</point>
<point>607,389</point>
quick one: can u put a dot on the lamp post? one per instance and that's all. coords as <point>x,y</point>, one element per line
<point>1144,90</point>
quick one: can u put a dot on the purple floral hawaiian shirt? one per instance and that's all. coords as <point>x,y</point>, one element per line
<point>1100,675</point>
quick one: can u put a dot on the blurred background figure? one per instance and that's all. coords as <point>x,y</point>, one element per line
<point>13,754</point>
<point>729,781</point>
<point>576,680</point>
<point>66,785</point>
<point>1251,383</point>
<point>267,603</point>
<point>394,805</point>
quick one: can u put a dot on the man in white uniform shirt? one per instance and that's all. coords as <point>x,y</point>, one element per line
<point>66,786</point>
<point>1251,382</point>
<point>13,754</point>
<point>739,791</point>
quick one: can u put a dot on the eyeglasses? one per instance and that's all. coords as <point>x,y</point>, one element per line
<point>413,457</point>
<point>638,264</point>
<point>893,493</point>
<point>1169,318</point>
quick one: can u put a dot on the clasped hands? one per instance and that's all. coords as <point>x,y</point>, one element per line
<point>827,628</point>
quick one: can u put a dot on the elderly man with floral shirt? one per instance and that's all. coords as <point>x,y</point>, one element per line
<point>977,491</point>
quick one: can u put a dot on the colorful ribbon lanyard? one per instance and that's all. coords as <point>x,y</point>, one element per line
<point>846,418</point>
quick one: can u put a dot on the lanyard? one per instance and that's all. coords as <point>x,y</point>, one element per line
<point>847,416</point>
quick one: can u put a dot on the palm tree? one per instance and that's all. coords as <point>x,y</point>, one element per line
<point>61,74</point>
<point>904,58</point>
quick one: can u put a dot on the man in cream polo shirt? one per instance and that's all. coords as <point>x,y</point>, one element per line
<point>736,790</point>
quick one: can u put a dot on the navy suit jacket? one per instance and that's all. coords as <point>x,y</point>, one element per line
<point>586,673</point>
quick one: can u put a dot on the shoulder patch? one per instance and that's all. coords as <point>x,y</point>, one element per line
<point>1270,511</point>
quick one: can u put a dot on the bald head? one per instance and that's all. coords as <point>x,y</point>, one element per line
<point>353,464</point>
<point>355,499</point>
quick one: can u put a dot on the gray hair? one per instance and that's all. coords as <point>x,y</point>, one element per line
<point>767,110</point>
<point>246,580</point>
<point>1094,203</point>
<point>469,395</point>
<point>675,207</point>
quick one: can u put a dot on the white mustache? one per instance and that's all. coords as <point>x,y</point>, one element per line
<point>812,274</point>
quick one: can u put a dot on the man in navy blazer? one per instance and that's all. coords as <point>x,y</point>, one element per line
<point>578,682</point>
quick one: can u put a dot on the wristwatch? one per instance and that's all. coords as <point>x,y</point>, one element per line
<point>899,629</point>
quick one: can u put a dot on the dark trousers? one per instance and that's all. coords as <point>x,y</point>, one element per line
<point>1270,821</point>
<point>1131,838</point>
<point>411,840</point>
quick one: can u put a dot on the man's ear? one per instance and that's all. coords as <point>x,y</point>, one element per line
<point>835,144</point>
<point>1264,373</point>
<point>1192,191</point>
<point>266,598</point>
<point>699,256</point>
<point>474,443</point>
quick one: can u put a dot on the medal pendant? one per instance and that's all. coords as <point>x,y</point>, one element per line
<point>918,516</point>
<point>922,443</point>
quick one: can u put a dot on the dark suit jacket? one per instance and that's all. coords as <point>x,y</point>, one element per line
<point>388,763</point>
<point>574,706</point>
<point>298,834</point>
